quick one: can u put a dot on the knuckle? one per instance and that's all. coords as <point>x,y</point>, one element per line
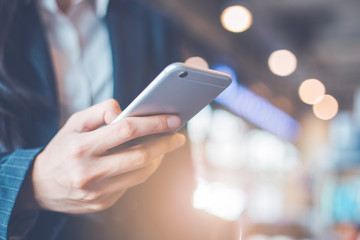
<point>77,148</point>
<point>73,118</point>
<point>78,123</point>
<point>88,196</point>
<point>80,178</point>
<point>83,127</point>
<point>127,128</point>
<point>111,104</point>
<point>141,158</point>
<point>79,183</point>
<point>102,205</point>
<point>96,207</point>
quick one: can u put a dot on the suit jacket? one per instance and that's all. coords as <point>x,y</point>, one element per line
<point>143,42</point>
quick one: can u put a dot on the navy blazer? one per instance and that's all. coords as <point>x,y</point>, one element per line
<point>143,42</point>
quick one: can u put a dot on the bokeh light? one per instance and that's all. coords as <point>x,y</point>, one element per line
<point>282,62</point>
<point>197,62</point>
<point>326,108</point>
<point>267,203</point>
<point>236,18</point>
<point>311,91</point>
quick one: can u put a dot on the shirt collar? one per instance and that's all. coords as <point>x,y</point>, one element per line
<point>100,6</point>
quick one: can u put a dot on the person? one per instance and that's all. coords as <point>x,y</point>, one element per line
<point>66,67</point>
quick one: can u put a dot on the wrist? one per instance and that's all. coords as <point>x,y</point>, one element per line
<point>25,199</point>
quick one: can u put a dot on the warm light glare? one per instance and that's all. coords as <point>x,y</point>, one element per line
<point>219,199</point>
<point>311,91</point>
<point>282,62</point>
<point>197,62</point>
<point>327,108</point>
<point>236,19</point>
<point>266,152</point>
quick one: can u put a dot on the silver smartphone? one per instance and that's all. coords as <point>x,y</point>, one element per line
<point>180,89</point>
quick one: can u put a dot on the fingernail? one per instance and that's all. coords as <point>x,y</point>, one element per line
<point>173,121</point>
<point>180,140</point>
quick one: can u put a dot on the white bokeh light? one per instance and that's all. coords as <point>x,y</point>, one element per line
<point>282,62</point>
<point>236,18</point>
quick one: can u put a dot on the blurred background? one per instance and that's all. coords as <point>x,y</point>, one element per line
<point>277,156</point>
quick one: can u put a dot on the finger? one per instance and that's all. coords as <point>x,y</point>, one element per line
<point>113,198</point>
<point>130,128</point>
<point>113,186</point>
<point>94,117</point>
<point>109,197</point>
<point>137,157</point>
<point>109,190</point>
<point>102,201</point>
<point>136,177</point>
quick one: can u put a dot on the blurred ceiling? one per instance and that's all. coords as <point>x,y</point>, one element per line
<point>323,34</point>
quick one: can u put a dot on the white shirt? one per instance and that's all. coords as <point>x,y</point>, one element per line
<point>81,53</point>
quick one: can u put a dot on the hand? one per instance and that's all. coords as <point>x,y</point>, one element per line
<point>76,172</point>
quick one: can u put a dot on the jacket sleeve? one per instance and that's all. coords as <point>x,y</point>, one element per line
<point>13,169</point>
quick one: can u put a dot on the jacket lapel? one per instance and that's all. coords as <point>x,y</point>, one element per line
<point>38,53</point>
<point>127,42</point>
<point>142,45</point>
<point>36,70</point>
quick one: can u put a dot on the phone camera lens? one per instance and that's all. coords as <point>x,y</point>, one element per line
<point>183,74</point>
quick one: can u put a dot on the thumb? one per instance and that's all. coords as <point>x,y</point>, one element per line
<point>94,116</point>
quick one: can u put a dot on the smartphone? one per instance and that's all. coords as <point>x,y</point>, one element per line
<point>180,89</point>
